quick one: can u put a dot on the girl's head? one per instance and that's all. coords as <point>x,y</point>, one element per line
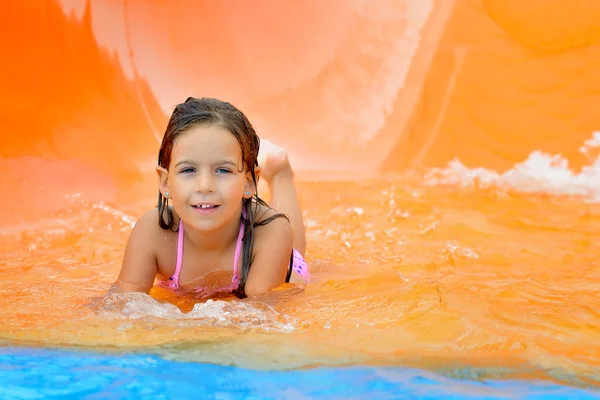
<point>207,164</point>
<point>207,167</point>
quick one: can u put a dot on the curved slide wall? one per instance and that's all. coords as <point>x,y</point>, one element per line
<point>86,86</point>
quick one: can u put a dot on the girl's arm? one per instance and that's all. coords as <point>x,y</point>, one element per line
<point>139,267</point>
<point>272,249</point>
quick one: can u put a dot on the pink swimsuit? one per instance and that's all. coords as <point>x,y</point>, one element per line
<point>297,263</point>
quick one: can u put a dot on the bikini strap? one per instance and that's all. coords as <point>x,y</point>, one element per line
<point>238,252</point>
<point>174,280</point>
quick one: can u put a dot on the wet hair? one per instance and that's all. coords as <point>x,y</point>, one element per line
<point>209,111</point>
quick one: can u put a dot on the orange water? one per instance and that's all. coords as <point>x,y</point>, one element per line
<point>479,281</point>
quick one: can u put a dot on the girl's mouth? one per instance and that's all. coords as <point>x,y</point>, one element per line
<point>205,208</point>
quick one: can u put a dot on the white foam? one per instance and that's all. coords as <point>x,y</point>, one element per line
<point>540,173</point>
<point>235,314</point>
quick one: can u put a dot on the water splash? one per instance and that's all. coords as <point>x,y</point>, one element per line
<point>213,313</point>
<point>540,173</point>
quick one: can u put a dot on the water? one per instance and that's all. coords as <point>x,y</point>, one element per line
<point>406,274</point>
<point>457,280</point>
<point>56,374</point>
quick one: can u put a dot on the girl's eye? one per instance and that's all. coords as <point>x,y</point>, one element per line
<point>186,170</point>
<point>223,171</point>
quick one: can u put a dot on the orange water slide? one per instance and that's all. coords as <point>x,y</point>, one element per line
<point>508,77</point>
<point>86,86</point>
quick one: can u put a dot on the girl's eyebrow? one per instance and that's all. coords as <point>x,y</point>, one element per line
<point>221,162</point>
<point>184,162</point>
<point>226,162</point>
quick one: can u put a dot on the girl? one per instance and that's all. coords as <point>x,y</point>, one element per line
<point>210,221</point>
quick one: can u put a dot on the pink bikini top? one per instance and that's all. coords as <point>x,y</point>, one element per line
<point>297,262</point>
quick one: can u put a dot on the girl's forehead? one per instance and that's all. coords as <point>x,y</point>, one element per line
<point>206,142</point>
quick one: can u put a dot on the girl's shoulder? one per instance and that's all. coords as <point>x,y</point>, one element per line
<point>149,225</point>
<point>162,243</point>
<point>144,253</point>
<point>156,239</point>
<point>269,224</point>
<point>265,215</point>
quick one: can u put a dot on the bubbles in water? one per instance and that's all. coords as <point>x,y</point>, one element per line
<point>357,210</point>
<point>452,252</point>
<point>128,220</point>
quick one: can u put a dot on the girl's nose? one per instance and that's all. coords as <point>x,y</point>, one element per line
<point>205,182</point>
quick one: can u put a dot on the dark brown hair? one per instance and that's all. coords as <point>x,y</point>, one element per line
<point>216,112</point>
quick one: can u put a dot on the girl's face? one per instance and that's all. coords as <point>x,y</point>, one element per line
<point>204,181</point>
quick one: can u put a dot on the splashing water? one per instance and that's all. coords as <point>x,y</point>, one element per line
<point>219,313</point>
<point>446,280</point>
<point>540,173</point>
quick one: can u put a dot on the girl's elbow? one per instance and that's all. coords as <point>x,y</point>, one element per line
<point>253,291</point>
<point>257,289</point>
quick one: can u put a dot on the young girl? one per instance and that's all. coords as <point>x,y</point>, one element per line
<point>212,232</point>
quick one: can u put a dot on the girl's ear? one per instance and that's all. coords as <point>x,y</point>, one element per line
<point>249,187</point>
<point>256,173</point>
<point>163,180</point>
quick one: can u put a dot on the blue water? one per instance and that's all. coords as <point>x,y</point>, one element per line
<point>56,374</point>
